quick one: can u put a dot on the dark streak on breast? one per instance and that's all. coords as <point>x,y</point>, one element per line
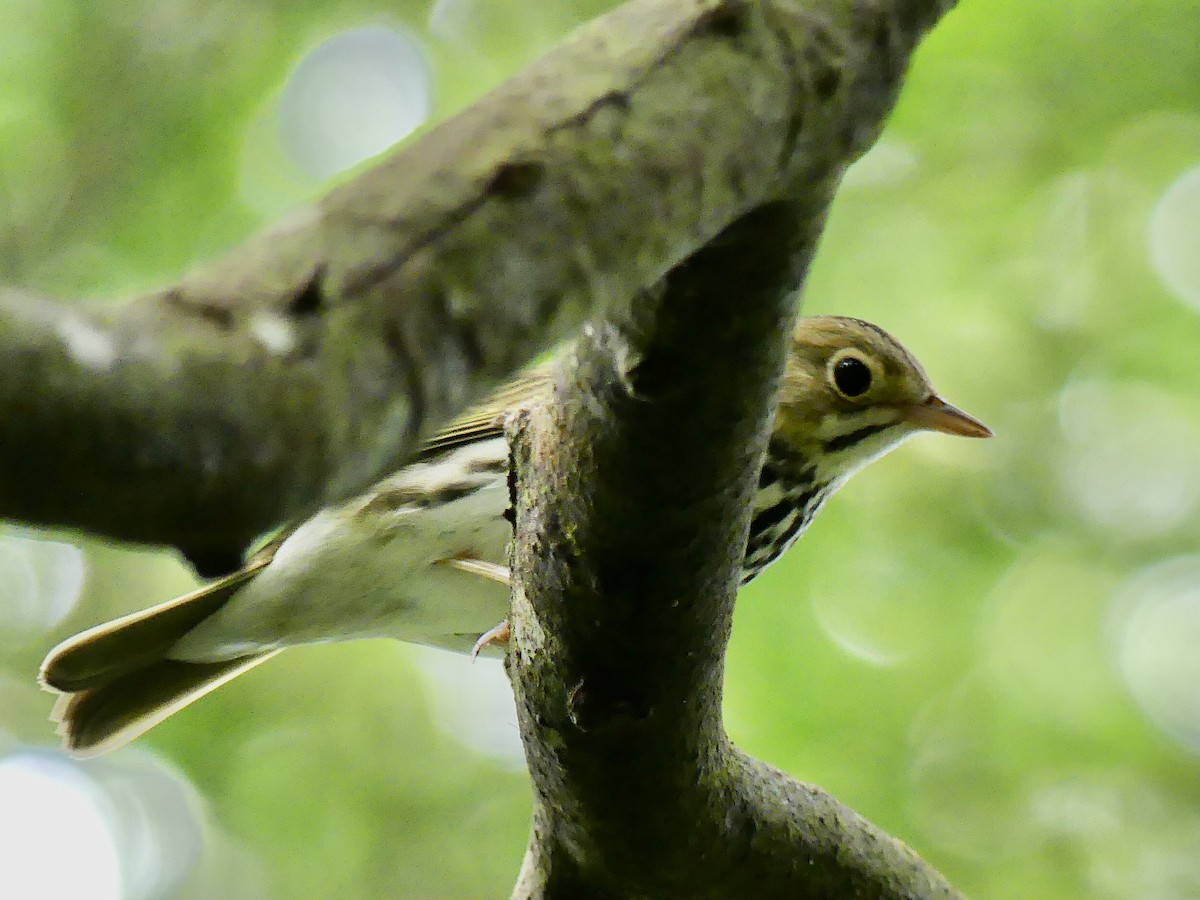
<point>845,441</point>
<point>767,540</point>
<point>768,475</point>
<point>785,456</point>
<point>789,533</point>
<point>771,516</point>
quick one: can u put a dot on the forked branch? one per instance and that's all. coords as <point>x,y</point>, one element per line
<point>632,500</point>
<point>632,503</point>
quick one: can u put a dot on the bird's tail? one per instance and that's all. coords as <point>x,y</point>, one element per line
<point>117,680</point>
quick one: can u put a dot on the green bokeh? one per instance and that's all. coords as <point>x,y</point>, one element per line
<point>943,650</point>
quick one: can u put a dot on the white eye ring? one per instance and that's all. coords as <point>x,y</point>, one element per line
<point>852,374</point>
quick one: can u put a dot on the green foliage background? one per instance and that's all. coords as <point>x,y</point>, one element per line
<point>945,650</point>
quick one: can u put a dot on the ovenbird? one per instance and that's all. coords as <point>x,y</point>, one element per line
<point>421,556</point>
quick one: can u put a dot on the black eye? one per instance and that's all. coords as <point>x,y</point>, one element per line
<point>851,376</point>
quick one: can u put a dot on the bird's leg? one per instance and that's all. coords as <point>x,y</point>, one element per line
<point>484,569</point>
<point>492,572</point>
<point>498,635</point>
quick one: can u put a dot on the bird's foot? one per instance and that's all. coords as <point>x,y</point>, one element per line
<point>498,635</point>
<point>484,569</point>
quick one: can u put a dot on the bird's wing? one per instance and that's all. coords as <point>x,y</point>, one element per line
<point>480,422</point>
<point>485,420</point>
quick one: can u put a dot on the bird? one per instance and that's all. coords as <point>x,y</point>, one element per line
<point>421,555</point>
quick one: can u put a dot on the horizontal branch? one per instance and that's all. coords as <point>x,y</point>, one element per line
<point>311,360</point>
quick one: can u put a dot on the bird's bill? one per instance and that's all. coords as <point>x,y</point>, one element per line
<point>935,414</point>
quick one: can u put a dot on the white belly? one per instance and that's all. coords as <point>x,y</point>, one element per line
<point>358,571</point>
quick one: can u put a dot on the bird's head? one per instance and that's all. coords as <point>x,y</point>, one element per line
<point>851,393</point>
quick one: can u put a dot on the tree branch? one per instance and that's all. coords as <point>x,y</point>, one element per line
<point>632,499</point>
<point>632,506</point>
<point>309,361</point>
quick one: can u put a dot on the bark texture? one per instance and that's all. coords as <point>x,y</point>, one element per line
<point>632,502</point>
<point>632,498</point>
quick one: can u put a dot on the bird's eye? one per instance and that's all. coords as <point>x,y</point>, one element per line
<point>851,376</point>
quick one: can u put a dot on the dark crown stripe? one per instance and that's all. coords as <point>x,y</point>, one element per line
<point>845,441</point>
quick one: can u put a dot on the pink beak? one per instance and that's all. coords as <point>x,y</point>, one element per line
<point>935,414</point>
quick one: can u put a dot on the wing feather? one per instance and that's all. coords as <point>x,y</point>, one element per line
<point>485,420</point>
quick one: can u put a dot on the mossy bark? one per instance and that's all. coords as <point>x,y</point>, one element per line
<point>632,500</point>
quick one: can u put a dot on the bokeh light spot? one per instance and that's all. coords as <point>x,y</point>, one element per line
<point>858,622</point>
<point>889,162</point>
<point>1174,237</point>
<point>352,97</point>
<point>1133,838</point>
<point>42,582</point>
<point>1156,629</point>
<point>129,828</point>
<point>1040,637</point>
<point>454,19</point>
<point>1130,463</point>
<point>54,839</point>
<point>960,791</point>
<point>473,702</point>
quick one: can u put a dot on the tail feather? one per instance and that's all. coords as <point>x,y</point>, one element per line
<point>117,680</point>
<point>129,644</point>
<point>101,719</point>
